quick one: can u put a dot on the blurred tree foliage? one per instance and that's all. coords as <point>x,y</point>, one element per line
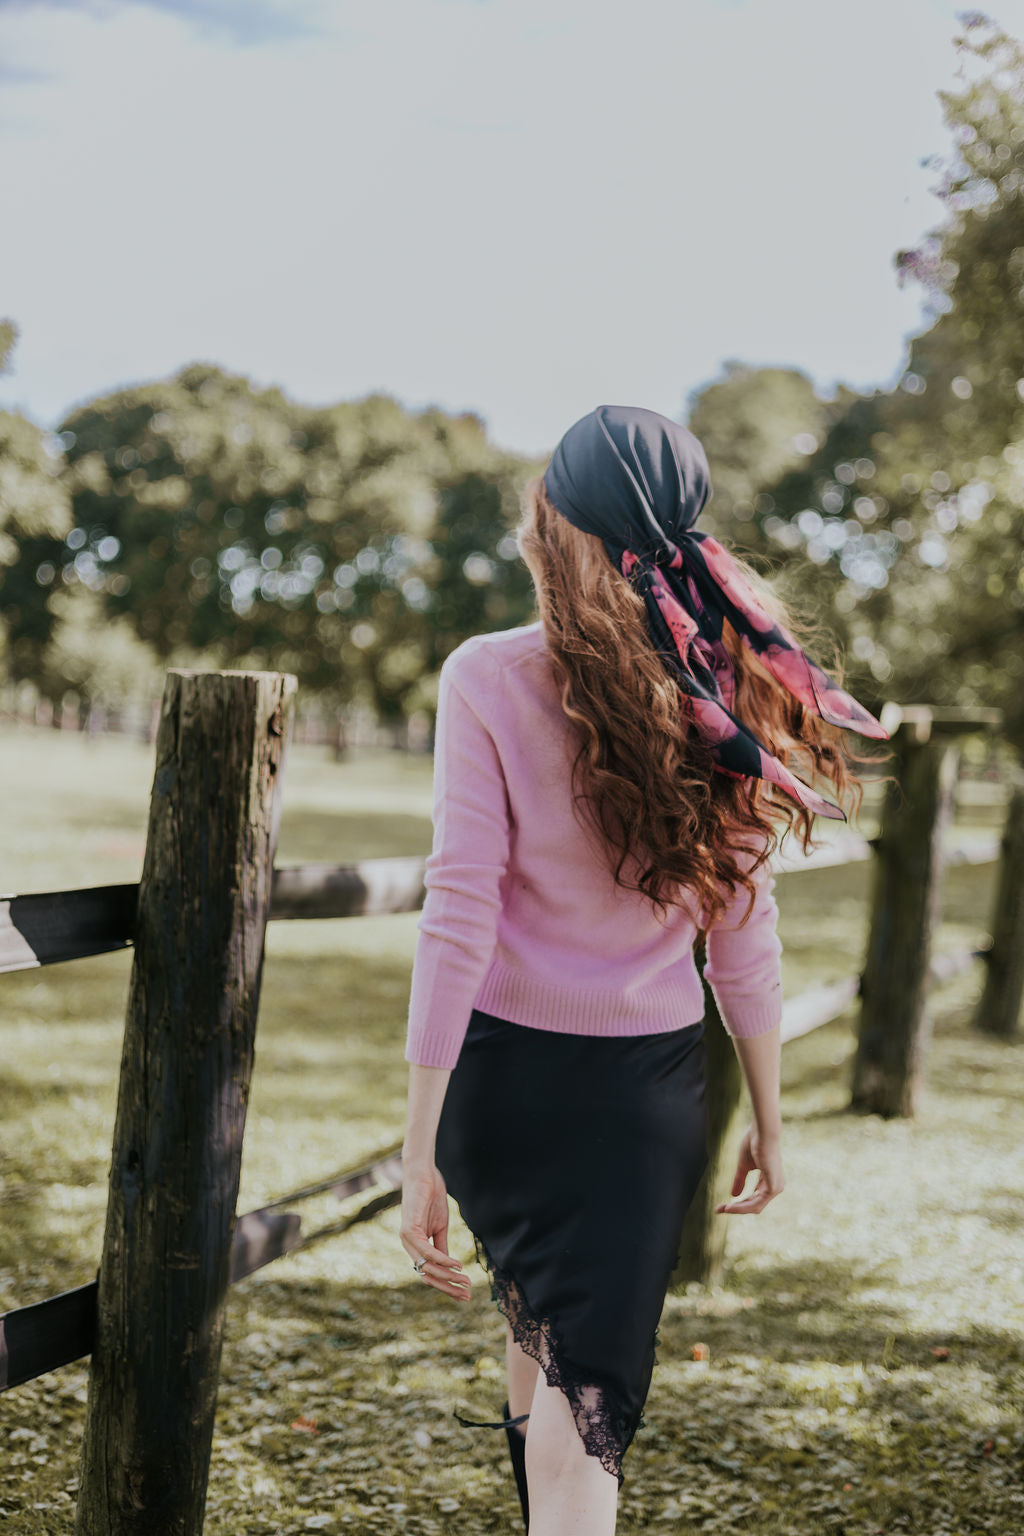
<point>356,545</point>
<point>35,513</point>
<point>908,513</point>
<point>100,658</point>
<point>8,339</point>
<point>756,424</point>
<point>350,545</point>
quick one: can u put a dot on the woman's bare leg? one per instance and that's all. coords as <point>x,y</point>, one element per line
<point>522,1378</point>
<point>570,1491</point>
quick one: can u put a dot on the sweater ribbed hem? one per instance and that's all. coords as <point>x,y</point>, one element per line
<point>525,999</point>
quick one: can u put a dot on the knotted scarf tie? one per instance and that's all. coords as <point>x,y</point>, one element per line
<point>639,481</point>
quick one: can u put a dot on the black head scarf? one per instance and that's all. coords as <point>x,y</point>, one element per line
<point>639,481</point>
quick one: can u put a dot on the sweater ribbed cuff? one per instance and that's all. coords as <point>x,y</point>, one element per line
<point>427,1049</point>
<point>749,1016</point>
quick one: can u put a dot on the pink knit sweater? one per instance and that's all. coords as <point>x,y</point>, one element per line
<point>522,917</point>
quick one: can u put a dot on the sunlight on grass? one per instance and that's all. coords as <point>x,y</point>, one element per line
<point>865,1370</point>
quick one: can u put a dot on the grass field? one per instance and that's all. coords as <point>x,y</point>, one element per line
<point>829,1403</point>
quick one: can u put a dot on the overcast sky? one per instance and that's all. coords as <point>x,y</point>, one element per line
<point>518,207</point>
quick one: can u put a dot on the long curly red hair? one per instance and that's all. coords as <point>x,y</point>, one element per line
<point>643,783</point>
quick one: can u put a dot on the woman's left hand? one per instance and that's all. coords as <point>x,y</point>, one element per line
<point>761,1154</point>
<point>424,1230</point>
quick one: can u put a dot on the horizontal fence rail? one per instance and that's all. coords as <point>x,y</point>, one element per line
<point>65,925</point>
<point>196,922</point>
<point>61,1329</point>
<point>821,1004</point>
<point>52,1333</point>
<point>51,927</point>
<point>47,928</point>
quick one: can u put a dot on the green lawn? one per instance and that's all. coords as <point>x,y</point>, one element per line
<point>823,1408</point>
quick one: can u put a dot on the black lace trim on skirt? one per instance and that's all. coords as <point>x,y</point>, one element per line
<point>605,1427</point>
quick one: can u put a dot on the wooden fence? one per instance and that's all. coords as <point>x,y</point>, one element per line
<point>152,1319</point>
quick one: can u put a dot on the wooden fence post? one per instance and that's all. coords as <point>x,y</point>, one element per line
<point>702,1246</point>
<point>998,1011</point>
<point>185,1070</point>
<point>892,1036</point>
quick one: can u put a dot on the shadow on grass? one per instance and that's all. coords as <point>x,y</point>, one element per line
<point>880,1430</point>
<point>814,1414</point>
<point>816,1309</point>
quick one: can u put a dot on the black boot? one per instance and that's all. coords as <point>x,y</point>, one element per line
<point>517,1451</point>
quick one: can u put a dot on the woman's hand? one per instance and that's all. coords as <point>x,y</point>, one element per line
<point>424,1230</point>
<point>764,1153</point>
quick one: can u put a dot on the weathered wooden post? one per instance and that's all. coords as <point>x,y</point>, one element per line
<point>892,1036</point>
<point>702,1247</point>
<point>999,1009</point>
<point>185,1070</point>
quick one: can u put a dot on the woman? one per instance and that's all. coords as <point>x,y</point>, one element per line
<point>604,790</point>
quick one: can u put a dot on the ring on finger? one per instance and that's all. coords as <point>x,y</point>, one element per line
<point>418,1267</point>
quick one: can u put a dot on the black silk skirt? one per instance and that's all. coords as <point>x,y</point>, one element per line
<point>573,1160</point>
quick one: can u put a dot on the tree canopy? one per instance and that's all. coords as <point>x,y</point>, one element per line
<point>900,522</point>
<point>353,545</point>
<point>357,544</point>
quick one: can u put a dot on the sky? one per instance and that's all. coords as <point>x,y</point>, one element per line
<point>522,208</point>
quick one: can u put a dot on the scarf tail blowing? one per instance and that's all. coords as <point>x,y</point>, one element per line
<point>639,480</point>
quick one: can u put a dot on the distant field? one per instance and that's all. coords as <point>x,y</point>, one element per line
<point>824,1407</point>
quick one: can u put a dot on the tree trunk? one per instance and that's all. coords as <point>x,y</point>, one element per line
<point>184,1087</point>
<point>998,1011</point>
<point>341,740</point>
<point>893,1031</point>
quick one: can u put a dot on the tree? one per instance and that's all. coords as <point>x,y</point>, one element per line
<point>352,545</point>
<point>102,659</point>
<point>755,425</point>
<point>35,513</point>
<point>910,514</point>
<point>8,339</point>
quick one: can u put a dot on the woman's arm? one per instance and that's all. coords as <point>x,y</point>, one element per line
<point>744,971</point>
<point>458,924</point>
<point>743,960</point>
<point>427,1088</point>
<point>761,1146</point>
<point>424,1229</point>
<point>457,934</point>
<point>760,1059</point>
